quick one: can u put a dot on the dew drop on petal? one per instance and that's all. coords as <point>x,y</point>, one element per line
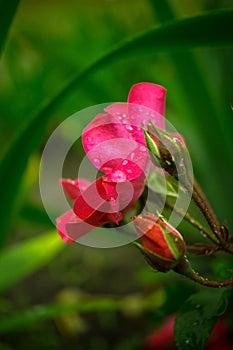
<point>96,161</point>
<point>118,176</point>
<point>125,162</point>
<point>129,127</point>
<point>142,148</point>
<point>132,155</point>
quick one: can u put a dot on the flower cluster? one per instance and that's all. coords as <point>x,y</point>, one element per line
<point>119,144</point>
<point>115,144</point>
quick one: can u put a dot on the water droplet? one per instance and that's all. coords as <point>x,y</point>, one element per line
<point>182,163</point>
<point>129,127</point>
<point>195,323</point>
<point>197,306</point>
<point>120,117</point>
<point>96,161</point>
<point>124,115</point>
<point>187,341</point>
<point>129,171</point>
<point>125,162</point>
<point>89,139</point>
<point>118,176</point>
<point>106,169</point>
<point>142,148</point>
<point>132,155</point>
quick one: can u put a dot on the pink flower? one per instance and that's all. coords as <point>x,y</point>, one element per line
<point>114,142</point>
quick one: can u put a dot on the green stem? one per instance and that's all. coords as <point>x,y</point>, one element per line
<point>202,202</point>
<point>184,268</point>
<point>194,223</point>
<point>203,249</point>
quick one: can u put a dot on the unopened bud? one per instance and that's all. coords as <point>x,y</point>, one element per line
<point>162,245</point>
<point>167,148</point>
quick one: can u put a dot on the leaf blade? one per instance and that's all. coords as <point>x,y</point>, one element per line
<point>43,312</point>
<point>7,12</point>
<point>19,261</point>
<point>198,316</point>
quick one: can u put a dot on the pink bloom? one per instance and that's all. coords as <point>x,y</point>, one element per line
<point>74,188</point>
<point>115,144</point>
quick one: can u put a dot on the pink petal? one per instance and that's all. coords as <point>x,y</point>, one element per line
<point>74,187</point>
<point>124,193</point>
<point>151,96</point>
<point>112,145</point>
<point>94,205</point>
<point>70,227</point>
<point>61,222</point>
<point>90,201</point>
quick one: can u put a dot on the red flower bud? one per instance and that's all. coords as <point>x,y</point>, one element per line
<point>162,245</point>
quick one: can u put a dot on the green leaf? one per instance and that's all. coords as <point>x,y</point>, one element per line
<point>193,84</point>
<point>42,312</point>
<point>21,260</point>
<point>213,29</point>
<point>34,214</point>
<point>159,183</point>
<point>7,12</point>
<point>82,303</point>
<point>198,316</point>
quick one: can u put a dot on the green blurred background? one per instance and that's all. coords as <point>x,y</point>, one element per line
<point>48,44</point>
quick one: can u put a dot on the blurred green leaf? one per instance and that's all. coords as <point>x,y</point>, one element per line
<point>133,304</point>
<point>34,214</point>
<point>193,85</point>
<point>7,12</point>
<point>43,312</point>
<point>212,29</point>
<point>198,316</point>
<point>25,258</point>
